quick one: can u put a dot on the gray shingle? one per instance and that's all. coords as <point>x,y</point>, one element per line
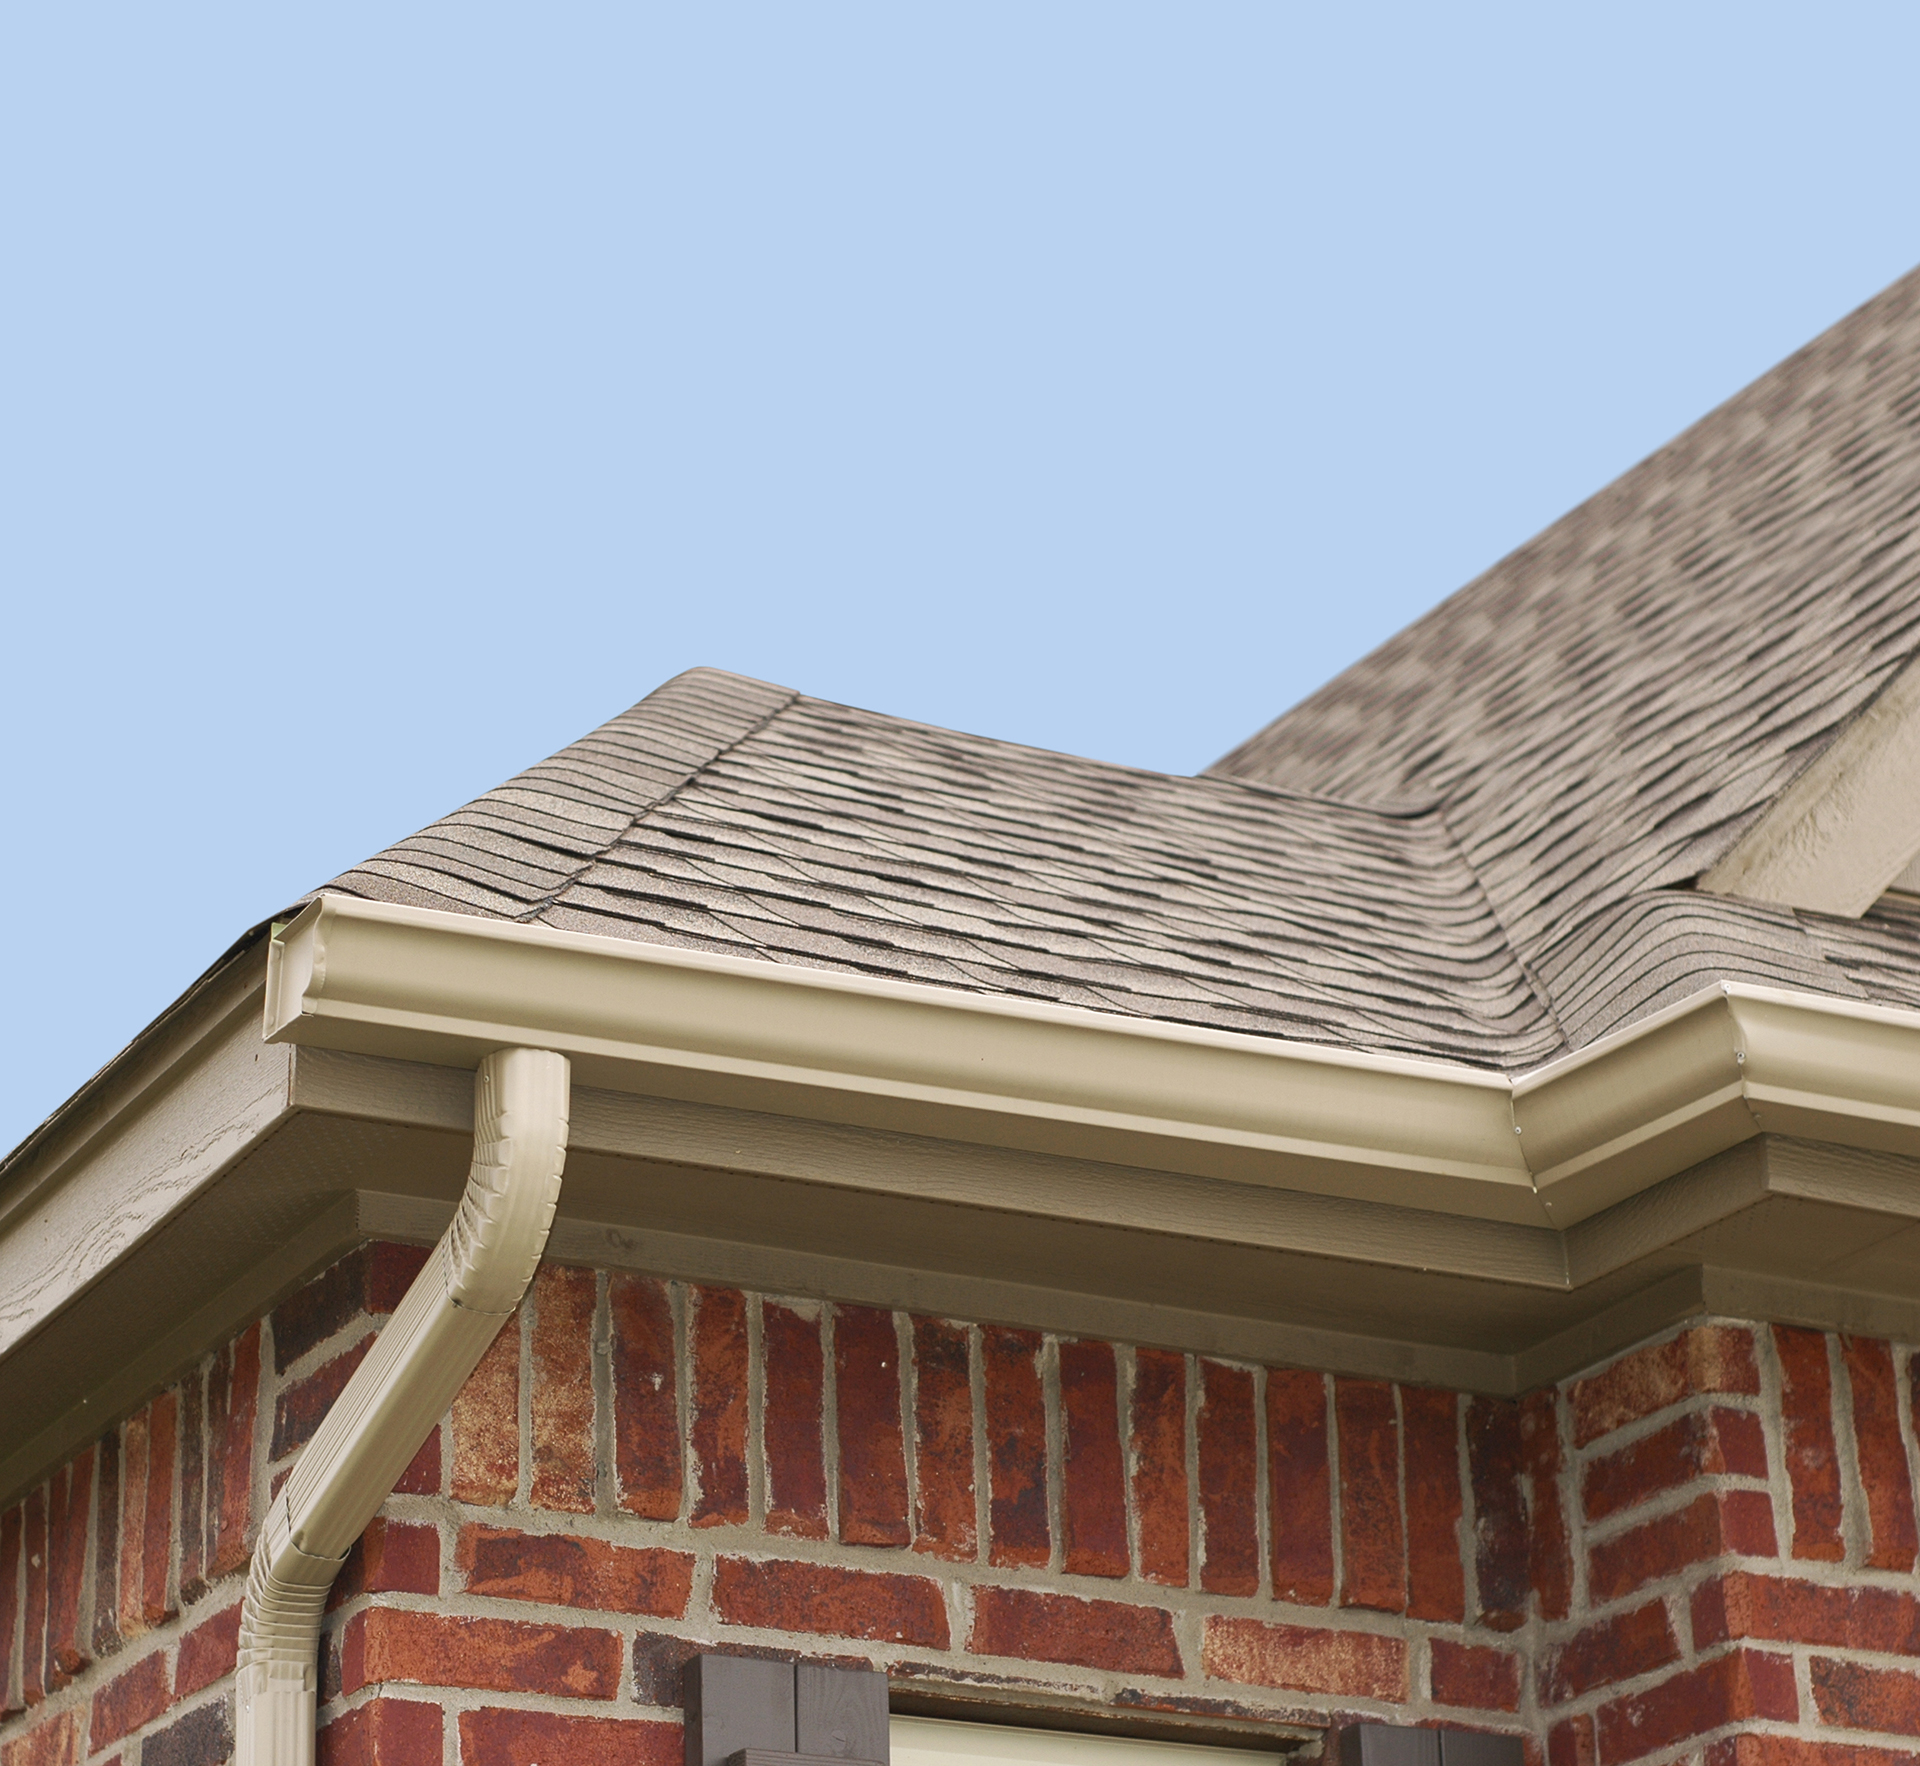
<point>1476,844</point>
<point>1606,711</point>
<point>810,832</point>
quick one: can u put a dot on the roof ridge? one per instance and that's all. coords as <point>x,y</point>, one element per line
<point>713,759</point>
<point>1540,990</point>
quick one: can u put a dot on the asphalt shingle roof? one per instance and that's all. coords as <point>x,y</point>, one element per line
<point>1606,711</point>
<point>1477,843</point>
<point>722,814</point>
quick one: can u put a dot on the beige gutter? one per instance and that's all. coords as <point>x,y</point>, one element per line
<point>1550,1148</point>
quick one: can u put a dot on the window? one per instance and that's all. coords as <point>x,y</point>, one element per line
<point>938,1741</point>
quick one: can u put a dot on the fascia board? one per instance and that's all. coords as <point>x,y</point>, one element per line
<point>209,1098</point>
<point>373,978</point>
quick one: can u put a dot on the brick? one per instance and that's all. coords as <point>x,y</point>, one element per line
<point>1783,1610</point>
<point>383,1732</point>
<point>571,1570</point>
<point>157,1604</point>
<point>69,1522</point>
<point>562,1462</point>
<point>12,1527</point>
<point>1735,1688</point>
<point>1610,1652</point>
<point>944,1523</point>
<point>1708,1358</point>
<point>321,1310</point>
<point>873,1459</point>
<point>1472,1677</point>
<point>230,1453</point>
<point>492,1737</point>
<point>33,1629</point>
<point>391,1270</point>
<point>659,1664</point>
<point>1813,1466</point>
<point>203,1737</point>
<point>1299,1488</point>
<point>1372,1543</point>
<point>390,1557</point>
<point>55,1742</point>
<point>1572,1742</point>
<point>1018,1530</point>
<point>1739,1522</point>
<point>1093,1495</point>
<point>129,1701</point>
<point>219,1396</point>
<point>1880,1445</point>
<point>131,1619</point>
<point>1855,1696</point>
<point>422,1476</point>
<point>1702,1444</point>
<point>1110,1634</point>
<point>778,1595</point>
<point>486,1425</point>
<point>193,1486</point>
<point>303,1405</point>
<point>383,1645</point>
<point>646,1401</point>
<point>719,1407</point>
<point>1229,1526</point>
<point>795,1384</point>
<point>207,1653</point>
<point>1300,1658</point>
<point>1157,1462</point>
<point>1436,1577</point>
<point>1739,1444</point>
<point>1793,1750</point>
<point>1549,1551</point>
<point>1501,1546</point>
<point>106,1556</point>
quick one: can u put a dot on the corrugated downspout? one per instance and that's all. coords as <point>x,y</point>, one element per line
<point>456,1306</point>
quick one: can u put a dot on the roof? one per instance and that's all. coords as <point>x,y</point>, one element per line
<point>1605,713</point>
<point>1507,833</point>
<point>726,815</point>
<point>1479,843</point>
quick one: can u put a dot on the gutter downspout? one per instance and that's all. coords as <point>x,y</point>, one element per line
<point>469,1288</point>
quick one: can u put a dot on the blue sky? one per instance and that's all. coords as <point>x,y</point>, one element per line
<point>388,395</point>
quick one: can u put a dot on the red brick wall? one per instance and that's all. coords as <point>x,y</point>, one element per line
<point>1705,1548</point>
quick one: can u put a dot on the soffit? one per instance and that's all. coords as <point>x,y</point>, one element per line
<point>373,1147</point>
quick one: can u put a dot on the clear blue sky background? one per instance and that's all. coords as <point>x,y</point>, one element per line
<point>390,394</point>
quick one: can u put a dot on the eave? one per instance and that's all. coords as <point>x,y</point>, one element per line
<point>1551,1148</point>
<point>797,1131</point>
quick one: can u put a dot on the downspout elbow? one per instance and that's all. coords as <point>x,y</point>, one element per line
<point>470,1286</point>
